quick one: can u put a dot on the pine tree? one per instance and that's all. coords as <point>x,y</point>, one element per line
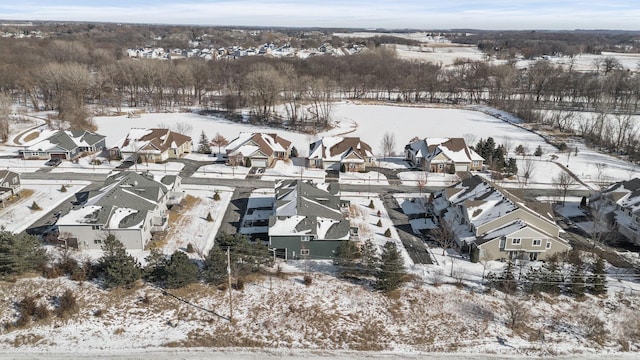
<point>117,268</point>
<point>20,253</point>
<point>575,285</point>
<point>215,266</point>
<point>598,280</point>
<point>534,281</point>
<point>379,223</point>
<point>369,259</point>
<point>181,271</point>
<point>155,269</point>
<point>203,144</point>
<point>387,233</point>
<point>512,166</point>
<point>538,151</point>
<point>346,258</point>
<point>507,281</point>
<point>551,275</point>
<point>391,274</point>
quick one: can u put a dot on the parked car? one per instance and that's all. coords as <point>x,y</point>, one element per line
<point>53,162</point>
<point>125,164</point>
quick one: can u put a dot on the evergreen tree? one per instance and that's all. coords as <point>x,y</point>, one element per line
<point>20,253</point>
<point>215,266</point>
<point>551,275</point>
<point>583,202</point>
<point>538,151</point>
<point>534,281</point>
<point>181,271</point>
<point>155,270</point>
<point>520,150</point>
<point>512,166</point>
<point>498,158</point>
<point>598,280</point>
<point>346,258</point>
<point>203,144</point>
<point>118,269</point>
<point>507,281</point>
<point>369,259</point>
<point>391,274</point>
<point>575,285</point>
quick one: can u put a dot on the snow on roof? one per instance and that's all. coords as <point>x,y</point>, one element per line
<point>245,150</point>
<point>83,215</point>
<point>287,226</point>
<point>118,215</point>
<point>505,230</point>
<point>323,226</point>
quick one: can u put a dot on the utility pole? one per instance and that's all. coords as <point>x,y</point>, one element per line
<point>229,277</point>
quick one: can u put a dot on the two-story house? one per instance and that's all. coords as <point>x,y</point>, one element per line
<point>152,145</point>
<point>619,207</point>
<point>442,155</point>
<point>497,223</point>
<point>336,153</point>
<point>10,185</point>
<point>309,220</point>
<point>129,205</point>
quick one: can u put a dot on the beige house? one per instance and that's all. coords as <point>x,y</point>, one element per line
<point>152,145</point>
<point>261,150</point>
<point>442,155</point>
<point>618,207</point>
<point>496,223</point>
<point>334,153</point>
<point>10,185</point>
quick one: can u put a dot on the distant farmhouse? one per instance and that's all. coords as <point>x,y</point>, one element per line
<point>619,207</point>
<point>152,145</point>
<point>10,185</point>
<point>129,205</point>
<point>442,155</point>
<point>62,144</point>
<point>309,220</point>
<point>258,149</point>
<point>497,224</point>
<point>338,153</point>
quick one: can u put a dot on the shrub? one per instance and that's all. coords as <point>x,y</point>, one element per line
<point>190,249</point>
<point>41,312</point>
<point>63,188</point>
<point>216,196</point>
<point>371,205</point>
<point>308,280</point>
<point>379,223</point>
<point>387,233</point>
<point>67,304</point>
<point>378,213</point>
<point>209,217</point>
<point>27,307</point>
<point>35,206</point>
<point>239,284</point>
<point>52,272</point>
<point>247,163</point>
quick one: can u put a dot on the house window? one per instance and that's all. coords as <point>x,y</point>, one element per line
<point>97,241</point>
<point>537,242</point>
<point>476,163</point>
<point>95,227</point>
<point>503,242</point>
<point>305,238</point>
<point>304,252</point>
<point>548,244</point>
<point>533,256</point>
<point>515,241</point>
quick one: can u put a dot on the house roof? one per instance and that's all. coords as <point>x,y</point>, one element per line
<point>248,144</point>
<point>302,207</point>
<point>151,141</point>
<point>63,140</point>
<point>626,194</point>
<point>4,174</point>
<point>338,149</point>
<point>123,202</point>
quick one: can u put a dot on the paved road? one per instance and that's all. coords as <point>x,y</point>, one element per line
<point>416,248</point>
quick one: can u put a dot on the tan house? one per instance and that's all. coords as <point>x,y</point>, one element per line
<point>333,153</point>
<point>496,223</point>
<point>442,155</point>
<point>152,145</point>
<point>257,149</point>
<point>10,185</point>
<point>618,208</point>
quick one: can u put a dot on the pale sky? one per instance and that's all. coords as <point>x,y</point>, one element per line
<point>418,14</point>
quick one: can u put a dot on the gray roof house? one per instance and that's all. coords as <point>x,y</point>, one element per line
<point>62,144</point>
<point>10,185</point>
<point>309,220</point>
<point>619,207</point>
<point>497,223</point>
<point>129,205</point>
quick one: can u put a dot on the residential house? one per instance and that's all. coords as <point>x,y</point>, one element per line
<point>261,150</point>
<point>309,220</point>
<point>618,206</point>
<point>152,145</point>
<point>335,153</point>
<point>62,144</point>
<point>442,155</point>
<point>129,205</point>
<point>10,185</point>
<point>496,223</point>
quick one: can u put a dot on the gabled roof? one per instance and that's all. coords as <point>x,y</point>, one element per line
<point>339,148</point>
<point>123,202</point>
<point>626,194</point>
<point>302,207</point>
<point>4,174</point>
<point>151,140</point>
<point>455,149</point>
<point>248,144</point>
<point>63,140</point>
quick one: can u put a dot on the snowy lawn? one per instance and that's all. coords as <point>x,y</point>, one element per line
<point>414,206</point>
<point>221,171</point>
<point>18,216</point>
<point>365,178</point>
<point>22,166</point>
<point>288,169</point>
<point>413,178</point>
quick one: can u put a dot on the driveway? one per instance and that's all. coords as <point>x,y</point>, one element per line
<point>416,248</point>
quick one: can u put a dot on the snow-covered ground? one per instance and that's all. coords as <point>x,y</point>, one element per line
<point>365,178</point>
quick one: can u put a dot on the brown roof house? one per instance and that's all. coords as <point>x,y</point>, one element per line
<point>333,152</point>
<point>442,155</point>
<point>257,149</point>
<point>152,145</point>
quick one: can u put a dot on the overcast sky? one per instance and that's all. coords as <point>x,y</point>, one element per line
<point>419,14</point>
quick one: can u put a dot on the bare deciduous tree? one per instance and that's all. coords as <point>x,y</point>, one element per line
<point>5,110</point>
<point>219,141</point>
<point>443,234</point>
<point>528,167</point>
<point>564,182</point>
<point>388,144</point>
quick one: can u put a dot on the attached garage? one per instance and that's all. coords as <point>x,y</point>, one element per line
<point>58,156</point>
<point>259,163</point>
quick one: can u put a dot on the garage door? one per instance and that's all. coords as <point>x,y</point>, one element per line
<point>58,156</point>
<point>259,162</point>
